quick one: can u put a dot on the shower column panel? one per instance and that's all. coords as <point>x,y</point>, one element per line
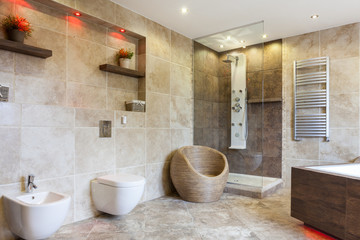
<point>238,102</point>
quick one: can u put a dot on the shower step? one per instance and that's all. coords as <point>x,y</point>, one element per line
<point>261,187</point>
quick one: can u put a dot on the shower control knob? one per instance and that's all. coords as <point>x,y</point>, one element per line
<point>237,105</point>
<point>233,91</point>
<point>240,124</point>
<point>237,110</point>
<point>233,124</point>
<point>240,91</point>
<point>237,99</point>
<point>233,108</point>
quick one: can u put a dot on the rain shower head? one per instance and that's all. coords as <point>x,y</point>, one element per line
<point>228,60</point>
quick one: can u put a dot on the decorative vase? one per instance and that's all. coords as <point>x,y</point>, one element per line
<point>124,62</point>
<point>16,35</point>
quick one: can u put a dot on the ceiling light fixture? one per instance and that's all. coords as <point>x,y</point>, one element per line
<point>221,46</point>
<point>228,38</point>
<point>77,14</point>
<point>184,10</point>
<point>244,46</point>
<point>264,36</point>
<point>315,16</point>
<point>122,30</point>
<point>242,41</point>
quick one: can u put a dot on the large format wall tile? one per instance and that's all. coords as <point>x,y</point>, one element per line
<point>7,61</point>
<point>83,64</point>
<point>181,81</point>
<point>344,75</point>
<point>87,31</point>
<point>79,95</point>
<point>51,68</point>
<point>101,8</point>
<point>130,147</point>
<point>158,145</point>
<point>91,117</point>
<point>344,110</point>
<point>116,98</point>
<point>181,112</point>
<point>158,40</point>
<point>10,155</point>
<point>93,153</point>
<point>157,180</point>
<point>122,82</point>
<point>158,110</point>
<point>301,47</point>
<point>10,114</point>
<point>42,16</point>
<point>343,146</point>
<point>254,58</point>
<point>181,138</point>
<point>47,152</point>
<point>84,206</point>
<point>273,55</point>
<point>133,119</point>
<point>307,148</point>
<point>181,49</point>
<point>340,42</point>
<point>130,20</point>
<point>35,90</point>
<point>157,75</point>
<point>47,116</point>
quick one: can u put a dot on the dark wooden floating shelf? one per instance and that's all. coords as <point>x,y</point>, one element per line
<point>24,49</point>
<point>121,70</point>
<point>266,100</point>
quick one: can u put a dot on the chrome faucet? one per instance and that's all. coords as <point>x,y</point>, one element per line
<point>29,188</point>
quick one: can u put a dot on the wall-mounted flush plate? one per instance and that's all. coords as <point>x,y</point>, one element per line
<point>105,129</point>
<point>4,94</point>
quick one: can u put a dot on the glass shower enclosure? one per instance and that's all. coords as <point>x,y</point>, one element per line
<point>229,105</point>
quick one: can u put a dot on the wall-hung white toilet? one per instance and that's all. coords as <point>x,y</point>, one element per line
<point>117,194</point>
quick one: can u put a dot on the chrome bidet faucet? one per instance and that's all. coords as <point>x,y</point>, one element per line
<point>29,188</point>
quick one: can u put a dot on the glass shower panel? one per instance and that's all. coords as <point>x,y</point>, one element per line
<point>228,99</point>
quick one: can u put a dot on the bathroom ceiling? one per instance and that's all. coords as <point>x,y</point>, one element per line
<point>282,18</point>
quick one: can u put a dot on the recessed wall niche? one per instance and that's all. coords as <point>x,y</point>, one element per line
<point>123,84</point>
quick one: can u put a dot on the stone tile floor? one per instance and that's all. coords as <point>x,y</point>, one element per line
<point>233,217</point>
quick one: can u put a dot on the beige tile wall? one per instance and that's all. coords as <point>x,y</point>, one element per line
<point>49,127</point>
<point>341,44</point>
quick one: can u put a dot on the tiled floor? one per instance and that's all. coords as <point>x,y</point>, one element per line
<point>233,217</point>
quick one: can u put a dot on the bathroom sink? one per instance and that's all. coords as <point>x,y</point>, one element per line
<point>36,215</point>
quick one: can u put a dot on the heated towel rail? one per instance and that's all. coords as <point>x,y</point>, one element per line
<point>311,98</point>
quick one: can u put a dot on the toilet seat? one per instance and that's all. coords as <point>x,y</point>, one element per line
<point>121,180</point>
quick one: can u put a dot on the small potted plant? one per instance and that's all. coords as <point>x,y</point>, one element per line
<point>124,57</point>
<point>17,28</point>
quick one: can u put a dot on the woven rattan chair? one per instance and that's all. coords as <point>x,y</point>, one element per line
<point>199,173</point>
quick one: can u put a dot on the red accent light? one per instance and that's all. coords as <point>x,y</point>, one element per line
<point>122,30</point>
<point>77,14</point>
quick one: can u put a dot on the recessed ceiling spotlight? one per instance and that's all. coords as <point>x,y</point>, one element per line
<point>244,46</point>
<point>221,46</point>
<point>228,38</point>
<point>314,16</point>
<point>184,10</point>
<point>122,30</point>
<point>242,41</point>
<point>264,36</point>
<point>77,14</point>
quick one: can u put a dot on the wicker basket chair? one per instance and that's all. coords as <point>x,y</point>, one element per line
<point>199,173</point>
